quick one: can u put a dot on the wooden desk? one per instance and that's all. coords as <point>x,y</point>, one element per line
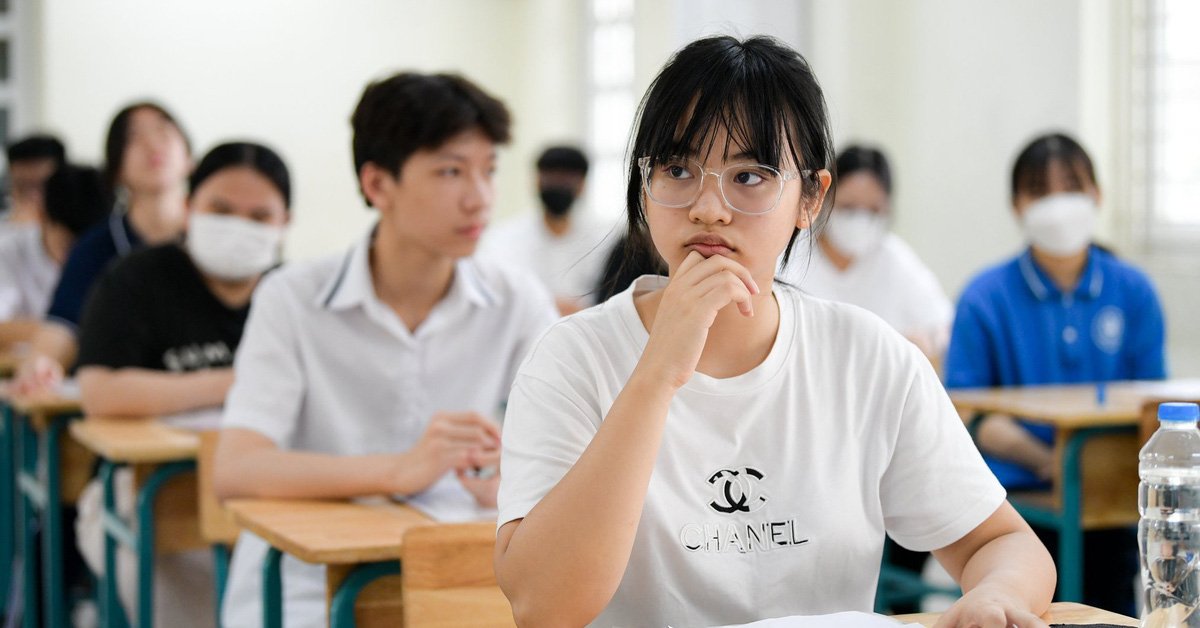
<point>1059,613</point>
<point>163,459</point>
<point>362,542</point>
<point>1086,428</point>
<point>50,470</point>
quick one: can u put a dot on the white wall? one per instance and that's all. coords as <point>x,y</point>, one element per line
<point>290,72</point>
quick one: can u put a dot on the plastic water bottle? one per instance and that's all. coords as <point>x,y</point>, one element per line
<point>1169,530</point>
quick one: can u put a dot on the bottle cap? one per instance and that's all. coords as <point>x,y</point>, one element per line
<point>1178,412</point>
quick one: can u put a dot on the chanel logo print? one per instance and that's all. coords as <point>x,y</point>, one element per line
<point>737,490</point>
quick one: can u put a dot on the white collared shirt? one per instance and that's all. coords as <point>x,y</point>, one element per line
<point>325,366</point>
<point>28,274</point>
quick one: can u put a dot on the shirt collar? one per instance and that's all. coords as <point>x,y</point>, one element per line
<point>352,285</point>
<point>1090,283</point>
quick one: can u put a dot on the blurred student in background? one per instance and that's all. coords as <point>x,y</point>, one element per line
<point>859,261</point>
<point>1064,310</point>
<point>147,160</point>
<point>159,333</point>
<point>379,371</point>
<point>30,162</point>
<point>560,244</point>
<point>31,258</point>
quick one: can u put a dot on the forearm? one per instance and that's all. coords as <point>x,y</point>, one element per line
<point>142,392</point>
<point>55,341</point>
<point>1002,437</point>
<point>16,331</point>
<point>1016,565</point>
<point>565,559</point>
<point>302,475</point>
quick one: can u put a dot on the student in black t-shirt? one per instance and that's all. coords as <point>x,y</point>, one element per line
<point>160,329</point>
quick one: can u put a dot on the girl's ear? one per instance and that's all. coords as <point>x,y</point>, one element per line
<point>810,207</point>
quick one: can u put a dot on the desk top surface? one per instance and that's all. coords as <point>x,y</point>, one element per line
<point>135,440</point>
<point>1059,613</point>
<point>329,532</point>
<point>1075,405</point>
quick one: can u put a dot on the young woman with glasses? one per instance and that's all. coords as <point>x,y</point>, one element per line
<point>712,447</point>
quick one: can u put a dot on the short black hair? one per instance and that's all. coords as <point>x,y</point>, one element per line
<point>118,137</point>
<point>1030,172</point>
<point>752,89</point>
<point>77,197</point>
<point>41,146</point>
<point>407,112</point>
<point>563,159</point>
<point>263,160</point>
<point>858,158</point>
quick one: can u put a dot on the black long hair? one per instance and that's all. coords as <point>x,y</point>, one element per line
<point>118,137</point>
<point>249,155</point>
<point>1030,173</point>
<point>752,90</point>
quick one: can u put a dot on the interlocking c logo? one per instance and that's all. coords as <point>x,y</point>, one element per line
<point>737,490</point>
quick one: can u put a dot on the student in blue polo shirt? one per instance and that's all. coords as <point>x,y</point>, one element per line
<point>1063,311</point>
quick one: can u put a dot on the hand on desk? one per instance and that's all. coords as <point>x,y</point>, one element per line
<point>458,441</point>
<point>37,375</point>
<point>986,608</point>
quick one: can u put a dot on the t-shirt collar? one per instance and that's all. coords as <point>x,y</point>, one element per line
<point>1090,283</point>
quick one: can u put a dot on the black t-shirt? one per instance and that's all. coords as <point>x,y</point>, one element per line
<point>153,310</point>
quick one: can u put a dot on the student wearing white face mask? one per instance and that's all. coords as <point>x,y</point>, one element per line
<point>159,333</point>
<point>859,261</point>
<point>1063,311</point>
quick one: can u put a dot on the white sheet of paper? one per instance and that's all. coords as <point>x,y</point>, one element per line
<point>195,420</point>
<point>447,501</point>
<point>850,619</point>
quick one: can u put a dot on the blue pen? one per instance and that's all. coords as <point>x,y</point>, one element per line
<point>1101,393</point>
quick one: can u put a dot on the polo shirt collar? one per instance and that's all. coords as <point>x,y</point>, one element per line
<point>352,285</point>
<point>1090,283</point>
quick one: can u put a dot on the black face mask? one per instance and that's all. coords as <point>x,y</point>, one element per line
<point>556,199</point>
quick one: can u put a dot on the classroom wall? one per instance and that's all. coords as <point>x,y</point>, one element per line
<point>289,73</point>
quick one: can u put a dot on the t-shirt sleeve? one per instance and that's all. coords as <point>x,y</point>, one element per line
<point>114,329</point>
<point>1148,337</point>
<point>269,377</point>
<point>969,357</point>
<point>936,487</point>
<point>552,416</point>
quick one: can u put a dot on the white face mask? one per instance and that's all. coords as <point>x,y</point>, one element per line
<point>855,231</point>
<point>1060,224</point>
<point>232,248</point>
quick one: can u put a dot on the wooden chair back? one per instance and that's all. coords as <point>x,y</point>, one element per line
<point>448,580</point>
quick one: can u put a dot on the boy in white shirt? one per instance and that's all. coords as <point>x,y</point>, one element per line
<point>379,371</point>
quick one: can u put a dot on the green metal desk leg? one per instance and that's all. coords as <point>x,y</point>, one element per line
<point>220,576</point>
<point>112,613</point>
<point>147,497</point>
<point>53,566</point>
<point>26,446</point>
<point>272,589</point>
<point>9,524</point>
<point>1070,530</point>
<point>341,607</point>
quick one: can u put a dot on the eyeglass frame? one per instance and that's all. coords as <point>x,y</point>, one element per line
<point>644,164</point>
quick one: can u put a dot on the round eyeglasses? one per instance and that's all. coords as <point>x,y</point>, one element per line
<point>747,188</point>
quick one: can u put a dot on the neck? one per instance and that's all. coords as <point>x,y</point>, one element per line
<point>835,257</point>
<point>408,277</point>
<point>233,294</point>
<point>557,225</point>
<point>56,241</point>
<point>158,217</point>
<point>1063,271</point>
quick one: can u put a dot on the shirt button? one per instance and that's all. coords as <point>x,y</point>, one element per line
<point>1070,335</point>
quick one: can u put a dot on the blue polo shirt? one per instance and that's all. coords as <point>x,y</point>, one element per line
<point>1014,327</point>
<point>92,253</point>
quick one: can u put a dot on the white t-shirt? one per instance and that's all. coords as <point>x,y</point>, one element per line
<point>569,265</point>
<point>28,274</point>
<point>772,490</point>
<point>325,366</point>
<point>892,282</point>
